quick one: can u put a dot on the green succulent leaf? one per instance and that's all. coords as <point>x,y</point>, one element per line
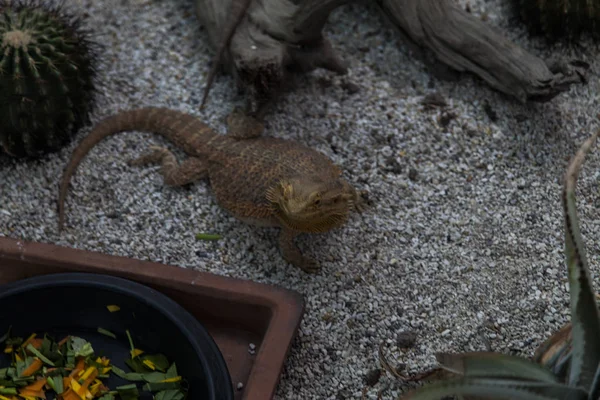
<point>494,365</point>
<point>595,389</point>
<point>561,367</point>
<point>497,389</point>
<point>563,351</point>
<point>584,312</point>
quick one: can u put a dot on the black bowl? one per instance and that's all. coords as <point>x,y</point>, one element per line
<point>75,304</point>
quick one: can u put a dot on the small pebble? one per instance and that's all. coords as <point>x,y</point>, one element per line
<point>372,377</point>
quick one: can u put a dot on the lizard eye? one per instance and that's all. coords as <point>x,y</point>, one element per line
<point>317,201</point>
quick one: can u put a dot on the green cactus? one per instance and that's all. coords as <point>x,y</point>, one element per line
<point>567,365</point>
<point>560,18</point>
<point>47,77</point>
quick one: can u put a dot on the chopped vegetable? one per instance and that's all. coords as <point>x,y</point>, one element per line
<point>131,376</point>
<point>39,355</point>
<point>34,390</point>
<point>169,395</point>
<point>107,333</point>
<point>156,362</point>
<point>29,339</point>
<point>56,384</point>
<point>81,347</point>
<point>6,335</point>
<point>113,308</point>
<point>70,370</point>
<point>32,368</point>
<point>208,236</point>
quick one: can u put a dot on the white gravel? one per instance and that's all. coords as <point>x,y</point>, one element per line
<point>463,245</point>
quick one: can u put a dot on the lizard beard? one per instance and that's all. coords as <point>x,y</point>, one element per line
<point>309,225</point>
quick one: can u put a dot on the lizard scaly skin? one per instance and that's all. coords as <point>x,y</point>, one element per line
<point>265,181</point>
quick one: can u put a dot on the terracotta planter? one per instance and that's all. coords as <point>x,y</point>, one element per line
<point>236,313</point>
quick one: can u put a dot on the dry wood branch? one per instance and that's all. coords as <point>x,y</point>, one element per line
<point>466,43</point>
<point>276,37</point>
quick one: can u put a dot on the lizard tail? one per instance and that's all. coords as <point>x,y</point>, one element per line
<point>184,130</point>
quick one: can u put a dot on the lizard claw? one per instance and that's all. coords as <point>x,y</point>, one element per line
<point>307,265</point>
<point>360,203</point>
<point>292,254</point>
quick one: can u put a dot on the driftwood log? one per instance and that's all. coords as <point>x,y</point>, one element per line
<point>274,38</point>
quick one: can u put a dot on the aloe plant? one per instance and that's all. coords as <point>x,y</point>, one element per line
<point>567,365</point>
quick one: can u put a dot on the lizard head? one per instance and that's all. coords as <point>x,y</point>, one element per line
<point>308,205</point>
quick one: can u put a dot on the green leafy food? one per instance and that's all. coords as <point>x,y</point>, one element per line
<point>159,386</point>
<point>56,383</point>
<point>169,395</point>
<point>155,377</point>
<point>6,335</point>
<point>39,355</point>
<point>72,371</point>
<point>128,392</point>
<point>208,236</point>
<point>107,333</point>
<point>136,365</point>
<point>81,347</point>
<point>172,371</point>
<point>157,361</point>
<point>130,376</point>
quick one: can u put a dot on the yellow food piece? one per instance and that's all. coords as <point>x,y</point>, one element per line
<point>32,336</point>
<point>88,372</point>
<point>136,352</point>
<point>77,389</point>
<point>95,388</point>
<point>176,379</point>
<point>149,364</point>
<point>113,308</point>
<point>103,361</point>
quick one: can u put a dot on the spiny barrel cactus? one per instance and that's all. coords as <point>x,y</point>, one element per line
<point>47,77</point>
<point>560,18</point>
<point>567,366</point>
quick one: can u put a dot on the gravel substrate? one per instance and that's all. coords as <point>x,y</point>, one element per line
<point>461,247</point>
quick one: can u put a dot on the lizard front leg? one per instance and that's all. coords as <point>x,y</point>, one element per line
<point>360,200</point>
<point>293,255</point>
<point>189,171</point>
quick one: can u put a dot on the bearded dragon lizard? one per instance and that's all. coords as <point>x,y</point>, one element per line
<point>264,181</point>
